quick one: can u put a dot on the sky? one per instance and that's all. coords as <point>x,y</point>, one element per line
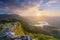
<point>30,7</point>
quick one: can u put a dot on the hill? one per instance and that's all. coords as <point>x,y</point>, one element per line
<point>20,27</point>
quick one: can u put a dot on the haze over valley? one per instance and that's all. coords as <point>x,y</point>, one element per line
<point>53,21</point>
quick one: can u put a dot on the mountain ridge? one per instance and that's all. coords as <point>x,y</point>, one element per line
<point>25,25</point>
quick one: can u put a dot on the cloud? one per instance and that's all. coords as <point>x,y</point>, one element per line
<point>24,6</point>
<point>18,5</point>
<point>50,2</point>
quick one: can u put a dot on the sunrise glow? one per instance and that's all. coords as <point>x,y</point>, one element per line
<point>38,14</point>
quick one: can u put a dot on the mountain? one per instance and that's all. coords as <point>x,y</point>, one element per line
<point>52,29</point>
<point>49,30</point>
<point>12,17</point>
<point>22,27</point>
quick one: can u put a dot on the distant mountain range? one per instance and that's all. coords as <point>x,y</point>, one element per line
<point>53,21</point>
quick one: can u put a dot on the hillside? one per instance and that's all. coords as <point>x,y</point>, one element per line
<point>20,27</point>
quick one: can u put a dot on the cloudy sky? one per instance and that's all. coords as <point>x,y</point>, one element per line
<point>31,7</point>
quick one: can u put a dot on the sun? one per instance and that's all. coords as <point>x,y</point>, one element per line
<point>38,14</point>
